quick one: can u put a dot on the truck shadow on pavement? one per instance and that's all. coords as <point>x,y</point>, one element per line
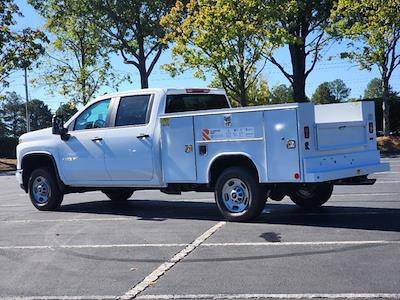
<point>367,218</point>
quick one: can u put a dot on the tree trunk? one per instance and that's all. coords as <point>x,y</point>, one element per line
<point>385,105</point>
<point>144,79</point>
<point>243,96</point>
<point>298,57</point>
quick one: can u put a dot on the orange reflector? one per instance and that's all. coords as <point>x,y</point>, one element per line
<point>296,176</point>
<point>306,132</point>
<point>371,127</point>
<point>197,91</point>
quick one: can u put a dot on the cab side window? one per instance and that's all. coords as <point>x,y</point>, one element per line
<point>93,117</point>
<point>133,110</point>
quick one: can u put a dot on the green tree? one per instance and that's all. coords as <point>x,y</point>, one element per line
<point>66,110</point>
<point>257,94</point>
<point>224,37</point>
<point>374,90</point>
<point>40,114</point>
<point>13,114</point>
<point>281,94</point>
<point>79,63</point>
<point>374,28</point>
<point>133,30</point>
<point>299,24</point>
<point>323,94</point>
<point>3,129</point>
<point>339,90</point>
<point>18,49</point>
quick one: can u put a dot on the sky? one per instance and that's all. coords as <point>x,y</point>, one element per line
<point>329,68</point>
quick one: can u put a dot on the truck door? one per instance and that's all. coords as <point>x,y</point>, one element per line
<point>129,145</point>
<point>82,155</point>
<point>178,150</point>
<point>282,145</point>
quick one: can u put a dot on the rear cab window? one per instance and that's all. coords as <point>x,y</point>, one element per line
<point>133,110</point>
<point>194,102</point>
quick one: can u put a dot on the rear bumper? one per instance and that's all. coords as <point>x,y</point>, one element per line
<point>346,172</point>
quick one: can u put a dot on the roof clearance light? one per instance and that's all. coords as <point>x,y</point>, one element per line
<point>197,91</point>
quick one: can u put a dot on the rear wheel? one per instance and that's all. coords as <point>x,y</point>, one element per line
<point>119,196</point>
<point>312,195</point>
<point>43,189</point>
<point>238,195</point>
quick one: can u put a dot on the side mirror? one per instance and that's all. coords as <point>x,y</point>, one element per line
<point>58,127</point>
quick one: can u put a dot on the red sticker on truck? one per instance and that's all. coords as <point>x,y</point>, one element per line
<point>205,134</point>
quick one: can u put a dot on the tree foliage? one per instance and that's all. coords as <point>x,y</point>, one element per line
<point>40,114</point>
<point>257,94</point>
<point>374,28</point>
<point>12,113</point>
<point>225,37</point>
<point>339,90</point>
<point>133,30</point>
<point>281,94</point>
<point>299,24</point>
<point>323,94</point>
<point>77,63</point>
<point>18,49</point>
<point>67,110</point>
<point>331,92</point>
<point>374,90</point>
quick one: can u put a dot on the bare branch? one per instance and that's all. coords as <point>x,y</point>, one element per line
<point>154,61</point>
<point>280,67</point>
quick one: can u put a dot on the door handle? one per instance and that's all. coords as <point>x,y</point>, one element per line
<point>143,136</point>
<point>97,139</point>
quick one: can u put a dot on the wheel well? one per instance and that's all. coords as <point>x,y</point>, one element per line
<point>34,161</point>
<point>224,162</point>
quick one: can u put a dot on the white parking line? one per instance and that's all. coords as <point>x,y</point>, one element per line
<point>57,298</point>
<point>272,296</point>
<point>317,243</point>
<point>54,247</point>
<point>65,220</point>
<point>160,271</point>
<point>363,194</point>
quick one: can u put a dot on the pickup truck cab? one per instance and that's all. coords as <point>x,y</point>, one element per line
<point>178,140</point>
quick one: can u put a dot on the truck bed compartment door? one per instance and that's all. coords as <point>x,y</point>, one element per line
<point>282,145</point>
<point>178,156</point>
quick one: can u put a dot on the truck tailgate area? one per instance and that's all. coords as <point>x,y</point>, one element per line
<point>345,143</point>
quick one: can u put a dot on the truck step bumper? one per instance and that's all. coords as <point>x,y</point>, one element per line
<point>346,173</point>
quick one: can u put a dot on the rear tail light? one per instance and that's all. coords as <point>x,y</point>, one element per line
<point>371,127</point>
<point>306,132</point>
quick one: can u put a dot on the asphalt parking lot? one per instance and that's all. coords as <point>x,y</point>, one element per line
<point>178,247</point>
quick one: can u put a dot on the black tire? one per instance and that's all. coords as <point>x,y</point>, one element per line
<point>239,186</point>
<point>119,196</point>
<point>312,195</point>
<point>43,189</point>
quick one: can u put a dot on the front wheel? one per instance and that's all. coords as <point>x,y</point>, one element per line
<point>312,195</point>
<point>238,195</point>
<point>43,189</point>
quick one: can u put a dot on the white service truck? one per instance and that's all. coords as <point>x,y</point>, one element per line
<point>178,140</point>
